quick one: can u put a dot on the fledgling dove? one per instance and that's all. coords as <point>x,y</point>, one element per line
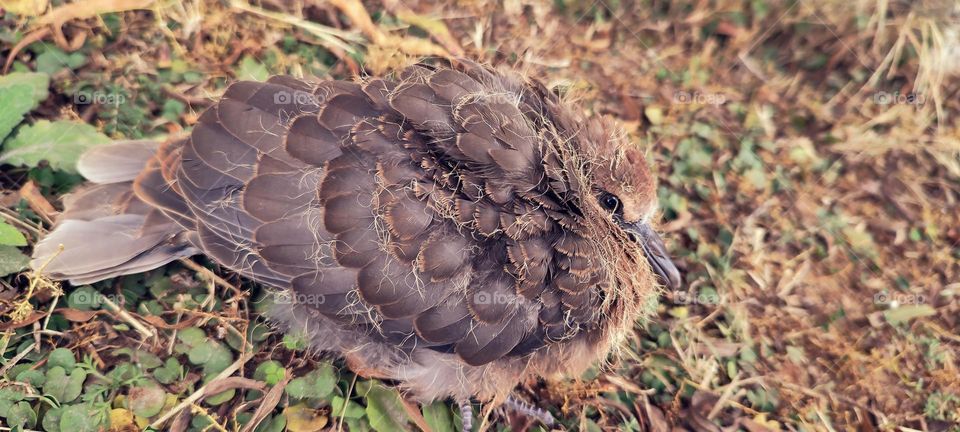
<point>455,229</point>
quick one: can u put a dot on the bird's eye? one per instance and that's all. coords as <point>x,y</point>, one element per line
<point>610,202</point>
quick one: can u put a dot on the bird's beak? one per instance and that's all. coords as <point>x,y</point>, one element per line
<point>656,253</point>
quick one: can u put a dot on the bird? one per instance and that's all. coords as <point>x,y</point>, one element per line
<point>453,227</point>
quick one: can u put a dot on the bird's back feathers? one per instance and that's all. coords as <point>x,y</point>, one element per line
<point>432,211</point>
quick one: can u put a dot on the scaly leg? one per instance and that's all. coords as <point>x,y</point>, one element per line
<point>466,415</point>
<point>529,410</point>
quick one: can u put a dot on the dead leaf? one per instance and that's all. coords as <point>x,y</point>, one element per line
<point>77,315</point>
<point>37,202</point>
<point>655,420</point>
<point>160,323</point>
<point>224,384</point>
<point>301,418</point>
<point>413,410</point>
<point>30,319</point>
<point>267,404</point>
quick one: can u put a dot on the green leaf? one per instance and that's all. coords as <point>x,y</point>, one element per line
<point>317,384</point>
<point>144,359</point>
<point>38,83</point>
<point>146,400</point>
<point>192,336</point>
<point>353,410</point>
<point>213,355</point>
<point>14,104</point>
<point>272,424</point>
<point>32,377</point>
<point>84,418</point>
<point>60,143</point>
<point>10,236</point>
<point>12,260</point>
<point>22,415</point>
<point>385,409</point>
<point>251,69</point>
<point>438,416</point>
<point>172,109</point>
<point>62,387</point>
<point>748,355</point>
<point>20,93</point>
<point>62,357</point>
<point>270,372</point>
<point>294,341</point>
<point>84,298</point>
<point>359,425</point>
<point>170,372</point>
<point>53,60</point>
<point>124,372</point>
<point>51,420</point>
<point>8,398</point>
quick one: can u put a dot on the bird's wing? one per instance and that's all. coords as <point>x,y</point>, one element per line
<point>426,210</point>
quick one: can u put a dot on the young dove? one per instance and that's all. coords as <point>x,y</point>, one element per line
<point>456,229</point>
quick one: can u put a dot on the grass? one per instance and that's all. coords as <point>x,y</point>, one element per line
<point>809,164</point>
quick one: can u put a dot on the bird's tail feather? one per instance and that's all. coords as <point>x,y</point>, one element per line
<point>105,230</point>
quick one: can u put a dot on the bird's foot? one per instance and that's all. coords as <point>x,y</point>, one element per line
<point>529,410</point>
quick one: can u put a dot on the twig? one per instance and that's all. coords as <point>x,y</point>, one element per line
<point>129,319</point>
<point>194,408</point>
<point>13,217</point>
<point>16,359</point>
<point>210,274</point>
<point>57,293</point>
<point>346,398</point>
<point>200,392</point>
<point>724,397</point>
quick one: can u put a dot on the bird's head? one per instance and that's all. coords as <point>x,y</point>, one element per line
<point>623,198</point>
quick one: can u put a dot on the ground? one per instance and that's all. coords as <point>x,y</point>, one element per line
<point>808,155</point>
